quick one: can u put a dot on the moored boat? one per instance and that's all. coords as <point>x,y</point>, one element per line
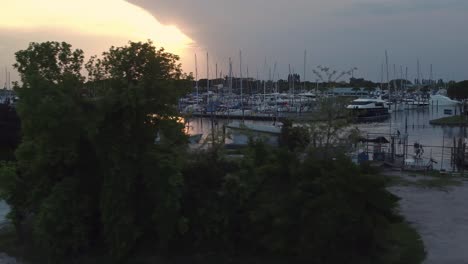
<point>369,109</point>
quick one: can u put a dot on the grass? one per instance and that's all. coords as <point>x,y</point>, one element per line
<point>409,247</point>
<point>426,180</point>
<point>8,241</point>
<point>450,121</point>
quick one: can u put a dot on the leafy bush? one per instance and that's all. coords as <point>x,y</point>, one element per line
<point>273,204</point>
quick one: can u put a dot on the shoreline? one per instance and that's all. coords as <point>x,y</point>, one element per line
<point>450,121</point>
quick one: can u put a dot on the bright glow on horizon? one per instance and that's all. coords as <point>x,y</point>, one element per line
<point>111,18</point>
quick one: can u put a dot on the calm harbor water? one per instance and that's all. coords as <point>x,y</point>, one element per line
<point>436,140</point>
<point>414,123</point>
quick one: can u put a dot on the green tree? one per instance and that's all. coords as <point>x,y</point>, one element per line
<point>356,89</point>
<point>89,170</point>
<point>458,90</point>
<point>90,174</point>
<point>295,138</point>
<point>50,62</point>
<point>7,178</point>
<point>142,183</point>
<point>54,161</point>
<point>369,89</point>
<point>328,133</point>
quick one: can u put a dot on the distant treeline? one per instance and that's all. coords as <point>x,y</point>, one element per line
<point>251,85</point>
<point>458,90</point>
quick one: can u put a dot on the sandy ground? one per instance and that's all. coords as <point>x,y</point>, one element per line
<point>441,218</point>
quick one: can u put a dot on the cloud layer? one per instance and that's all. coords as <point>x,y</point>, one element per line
<point>340,33</point>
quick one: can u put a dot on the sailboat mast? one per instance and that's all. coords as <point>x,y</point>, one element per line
<point>258,83</point>
<point>230,76</point>
<point>381,77</point>
<point>241,88</point>
<point>207,80</point>
<point>264,89</point>
<point>248,83</point>
<point>388,81</point>
<point>401,77</point>
<point>305,62</point>
<point>196,76</point>
<point>274,72</point>
<point>270,78</point>
<point>406,77</point>
<point>430,76</point>
<point>418,72</point>
<point>293,86</point>
<point>389,90</point>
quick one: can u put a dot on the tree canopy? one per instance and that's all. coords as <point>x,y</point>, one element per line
<point>86,164</point>
<point>91,178</point>
<point>458,90</point>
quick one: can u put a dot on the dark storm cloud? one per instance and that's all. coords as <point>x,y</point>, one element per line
<point>280,30</point>
<point>405,7</point>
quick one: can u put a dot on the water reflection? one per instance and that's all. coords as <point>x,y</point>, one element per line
<point>414,123</point>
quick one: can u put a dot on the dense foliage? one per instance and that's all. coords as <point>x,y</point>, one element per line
<point>91,179</point>
<point>458,90</point>
<point>274,202</point>
<point>86,165</point>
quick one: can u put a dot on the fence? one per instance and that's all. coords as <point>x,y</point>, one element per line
<point>402,150</point>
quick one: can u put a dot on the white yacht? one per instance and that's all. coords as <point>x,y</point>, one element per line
<point>441,100</point>
<point>369,109</point>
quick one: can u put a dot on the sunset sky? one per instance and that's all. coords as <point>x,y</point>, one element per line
<point>338,33</point>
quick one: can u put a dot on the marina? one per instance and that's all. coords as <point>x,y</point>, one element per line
<point>266,132</point>
<point>412,125</point>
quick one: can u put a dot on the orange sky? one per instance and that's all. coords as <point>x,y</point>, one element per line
<point>94,24</point>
